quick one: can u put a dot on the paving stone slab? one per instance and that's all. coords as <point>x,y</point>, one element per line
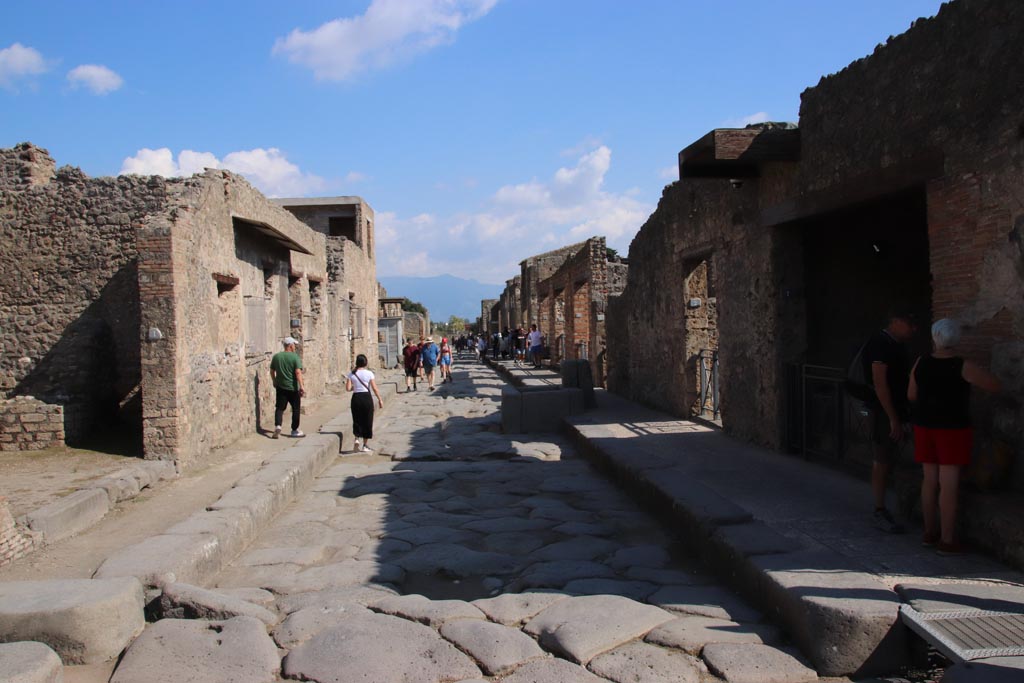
<point>306,555</point>
<point>751,663</point>
<point>237,650</point>
<point>256,596</point>
<point>634,590</point>
<point>950,597</point>
<point>345,573</point>
<point>167,558</point>
<point>425,611</point>
<point>234,528</point>
<point>652,556</point>
<point>643,663</point>
<point>505,524</point>
<point>334,597</point>
<point>182,601</point>
<point>30,662</point>
<point>708,601</point>
<point>691,633</point>
<point>303,624</point>
<point>513,542</point>
<point>551,671</point>
<point>379,648</point>
<point>667,577</point>
<point>422,535</point>
<point>556,574</point>
<point>579,548</point>
<point>496,648</point>
<point>86,621</point>
<point>456,560</point>
<point>582,627</point>
<point>69,515</point>
<point>512,609</point>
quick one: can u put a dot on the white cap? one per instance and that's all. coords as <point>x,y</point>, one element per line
<point>288,341</point>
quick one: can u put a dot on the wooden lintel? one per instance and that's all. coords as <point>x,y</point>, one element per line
<point>226,279</point>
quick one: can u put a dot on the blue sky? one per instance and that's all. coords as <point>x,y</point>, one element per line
<point>481,131</point>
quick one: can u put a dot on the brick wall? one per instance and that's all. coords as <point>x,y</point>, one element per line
<point>27,424</point>
<point>14,543</point>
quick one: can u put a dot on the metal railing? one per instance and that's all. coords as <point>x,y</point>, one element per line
<point>707,369</point>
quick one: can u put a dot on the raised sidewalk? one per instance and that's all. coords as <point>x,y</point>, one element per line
<point>792,536</point>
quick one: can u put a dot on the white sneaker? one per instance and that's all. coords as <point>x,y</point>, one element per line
<point>358,446</point>
<point>366,449</point>
<point>277,432</point>
<point>296,433</point>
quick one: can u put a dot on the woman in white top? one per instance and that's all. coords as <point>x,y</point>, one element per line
<point>361,381</point>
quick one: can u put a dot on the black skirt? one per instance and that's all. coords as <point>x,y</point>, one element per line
<point>362,415</point>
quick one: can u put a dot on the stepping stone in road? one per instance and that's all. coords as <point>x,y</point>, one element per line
<point>744,663</point>
<point>379,648</point>
<point>172,650</point>
<point>643,663</point>
<point>707,601</point>
<point>85,621</point>
<point>581,628</point>
<point>691,633</point>
<point>334,597</point>
<point>512,609</point>
<point>31,662</point>
<point>305,623</point>
<point>425,611</point>
<point>182,601</point>
<point>496,648</point>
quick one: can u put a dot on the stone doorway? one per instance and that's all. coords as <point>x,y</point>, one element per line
<point>700,312</point>
<point>857,264</point>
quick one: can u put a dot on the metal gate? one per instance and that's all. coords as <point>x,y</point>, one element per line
<point>707,370</point>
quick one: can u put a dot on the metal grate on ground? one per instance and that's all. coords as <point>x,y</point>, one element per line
<point>964,635</point>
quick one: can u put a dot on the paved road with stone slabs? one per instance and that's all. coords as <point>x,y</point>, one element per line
<point>457,553</point>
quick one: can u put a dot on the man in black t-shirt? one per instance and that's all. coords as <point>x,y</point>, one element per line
<point>887,370</point>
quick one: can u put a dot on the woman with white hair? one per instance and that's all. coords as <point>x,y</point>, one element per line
<point>940,390</point>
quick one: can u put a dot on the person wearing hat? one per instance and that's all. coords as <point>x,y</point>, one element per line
<point>886,366</point>
<point>286,372</point>
<point>428,355</point>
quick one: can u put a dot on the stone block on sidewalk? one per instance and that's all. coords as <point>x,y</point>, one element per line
<point>172,650</point>
<point>168,558</point>
<point>29,662</point>
<point>86,621</point>
<point>69,515</point>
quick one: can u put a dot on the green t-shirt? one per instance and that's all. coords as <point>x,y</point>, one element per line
<point>284,364</point>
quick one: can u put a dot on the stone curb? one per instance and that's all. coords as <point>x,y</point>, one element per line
<point>845,621</point>
<point>83,508</point>
<point>516,380</point>
<point>196,549</point>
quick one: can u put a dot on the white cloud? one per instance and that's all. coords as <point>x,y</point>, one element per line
<point>587,144</point>
<point>744,121</point>
<point>355,177</point>
<point>389,32</point>
<point>18,61</point>
<point>96,78</point>
<point>519,220</point>
<point>267,169</point>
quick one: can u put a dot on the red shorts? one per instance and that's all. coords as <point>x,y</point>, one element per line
<point>942,446</point>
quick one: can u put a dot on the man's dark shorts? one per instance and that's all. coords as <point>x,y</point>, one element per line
<point>885,449</point>
<point>411,372</point>
<point>427,368</point>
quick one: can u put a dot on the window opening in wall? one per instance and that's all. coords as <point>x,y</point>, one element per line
<point>343,226</point>
<point>314,298</point>
<point>225,283</point>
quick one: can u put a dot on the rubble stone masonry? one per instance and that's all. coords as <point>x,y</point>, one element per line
<point>28,424</point>
<point>14,542</point>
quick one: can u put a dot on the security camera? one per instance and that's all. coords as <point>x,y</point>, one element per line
<point>736,183</point>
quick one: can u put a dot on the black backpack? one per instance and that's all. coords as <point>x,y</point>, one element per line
<point>856,380</point>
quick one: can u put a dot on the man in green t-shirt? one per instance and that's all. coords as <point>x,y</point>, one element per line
<point>286,372</point>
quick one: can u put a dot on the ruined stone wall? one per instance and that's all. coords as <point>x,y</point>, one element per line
<point>648,356</point>
<point>486,326</point>
<point>358,283</point>
<point>236,293</point>
<point>533,271</point>
<point>69,315</point>
<point>28,424</point>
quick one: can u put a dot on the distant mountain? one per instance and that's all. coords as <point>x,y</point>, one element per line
<point>443,295</point>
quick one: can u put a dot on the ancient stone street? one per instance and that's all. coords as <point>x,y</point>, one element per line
<point>456,553</point>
